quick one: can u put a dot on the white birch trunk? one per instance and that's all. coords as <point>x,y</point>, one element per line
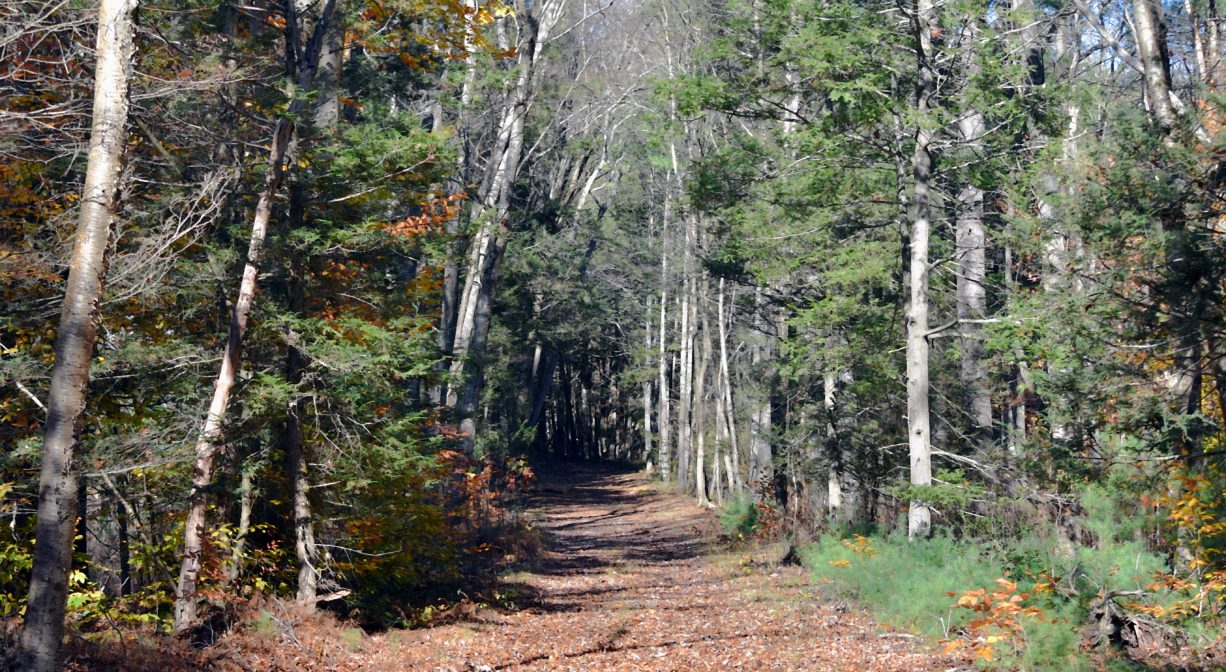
<point>662,350</point>
<point>490,213</point>
<point>685,383</point>
<point>834,476</point>
<point>700,395</point>
<point>59,480</point>
<point>647,388</point>
<point>734,476</point>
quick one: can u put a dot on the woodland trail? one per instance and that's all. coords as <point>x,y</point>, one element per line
<point>632,578</point>
<point>632,581</point>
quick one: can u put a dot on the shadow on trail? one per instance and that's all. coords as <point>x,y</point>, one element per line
<point>632,577</point>
<point>598,518</point>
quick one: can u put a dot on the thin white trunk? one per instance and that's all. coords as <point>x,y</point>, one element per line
<point>246,502</point>
<point>734,475</point>
<point>919,515</point>
<point>647,389</point>
<point>685,384</point>
<point>834,477</point>
<point>207,443</point>
<point>662,349</point>
<point>700,395</point>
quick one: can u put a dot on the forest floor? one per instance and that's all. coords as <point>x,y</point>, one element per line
<point>631,579</point>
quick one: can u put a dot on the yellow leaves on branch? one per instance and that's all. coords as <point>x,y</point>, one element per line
<point>1202,591</point>
<point>860,546</point>
<point>444,29</point>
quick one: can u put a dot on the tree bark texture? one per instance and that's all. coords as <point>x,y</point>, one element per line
<point>662,386</point>
<point>734,476</point>
<point>919,515</point>
<point>1155,61</point>
<point>971,250</point>
<point>685,382</point>
<point>43,628</point>
<point>761,454</point>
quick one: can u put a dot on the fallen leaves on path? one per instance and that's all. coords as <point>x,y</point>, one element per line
<point>631,580</point>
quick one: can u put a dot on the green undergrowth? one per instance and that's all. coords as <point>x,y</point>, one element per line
<point>917,587</point>
<point>1018,602</point>
<point>739,518</point>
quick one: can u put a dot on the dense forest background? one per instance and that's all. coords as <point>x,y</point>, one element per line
<point>295,291</point>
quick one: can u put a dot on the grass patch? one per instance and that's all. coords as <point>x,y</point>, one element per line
<point>919,587</point>
<point>353,638</point>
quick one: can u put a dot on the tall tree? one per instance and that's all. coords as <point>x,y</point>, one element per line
<point>919,439</point>
<point>59,479</point>
<point>209,439</point>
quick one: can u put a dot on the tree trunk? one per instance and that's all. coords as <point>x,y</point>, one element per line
<point>207,444</point>
<point>1183,294</point>
<point>665,427</point>
<point>700,397</point>
<point>476,332</point>
<point>58,484</point>
<point>761,456</point>
<point>647,388</point>
<point>246,502</point>
<point>1213,76</point>
<point>475,304</point>
<point>298,469</point>
<point>328,79</point>
<point>919,516</point>
<point>834,456</point>
<point>125,552</point>
<point>1155,61</point>
<point>451,271</point>
<point>542,383</point>
<point>685,383</point>
<point>970,249</point>
<point>734,476</point>
<point>327,114</point>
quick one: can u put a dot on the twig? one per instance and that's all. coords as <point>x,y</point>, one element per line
<point>289,629</point>
<point>25,390</point>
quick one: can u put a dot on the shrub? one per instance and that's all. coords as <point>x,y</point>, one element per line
<point>739,518</point>
<point>954,591</point>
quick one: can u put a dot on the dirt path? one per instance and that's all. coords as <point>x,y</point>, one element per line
<point>630,583</point>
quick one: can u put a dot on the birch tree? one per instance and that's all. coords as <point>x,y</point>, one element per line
<point>59,478</point>
<point>490,212</point>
